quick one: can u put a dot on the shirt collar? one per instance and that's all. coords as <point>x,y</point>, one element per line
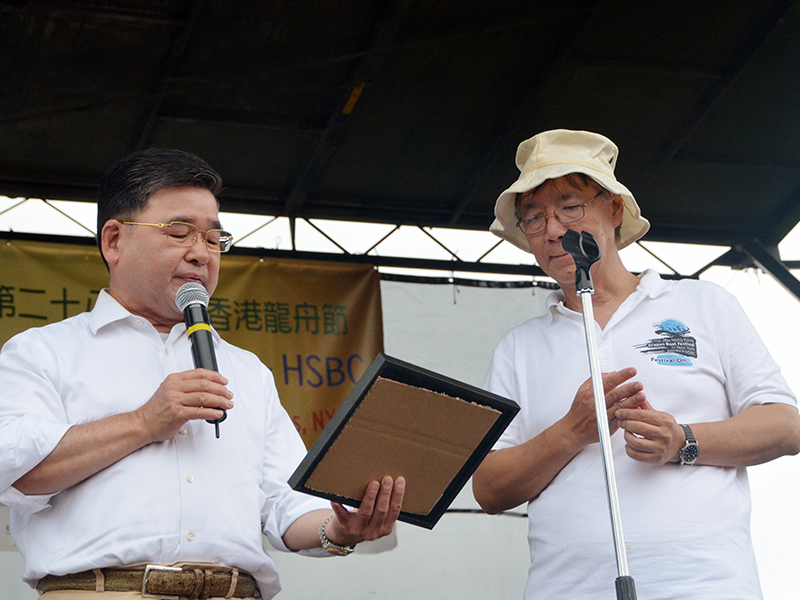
<point>107,311</point>
<point>650,284</point>
<point>554,301</point>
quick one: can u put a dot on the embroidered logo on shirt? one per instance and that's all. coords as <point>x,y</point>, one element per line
<point>674,348</point>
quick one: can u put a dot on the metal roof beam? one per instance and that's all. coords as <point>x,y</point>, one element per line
<point>768,259</point>
<point>142,133</point>
<point>377,261</point>
<point>561,54</point>
<point>715,93</point>
<point>236,118</point>
<point>319,158</point>
<point>785,219</point>
<point>143,14</point>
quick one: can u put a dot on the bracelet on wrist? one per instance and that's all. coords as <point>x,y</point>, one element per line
<point>332,548</point>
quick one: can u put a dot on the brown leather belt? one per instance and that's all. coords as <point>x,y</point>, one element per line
<point>155,581</point>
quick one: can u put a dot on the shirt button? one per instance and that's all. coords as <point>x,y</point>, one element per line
<point>139,322</point>
<point>166,351</point>
<point>190,536</point>
<point>601,343</point>
<point>190,478</point>
<point>182,431</point>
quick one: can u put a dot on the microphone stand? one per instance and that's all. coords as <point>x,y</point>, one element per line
<point>584,250</point>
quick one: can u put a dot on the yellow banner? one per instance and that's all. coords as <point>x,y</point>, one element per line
<point>316,325</point>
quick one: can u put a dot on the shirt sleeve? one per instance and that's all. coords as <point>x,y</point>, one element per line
<point>283,451</point>
<point>752,375</point>
<point>501,380</point>
<point>32,418</point>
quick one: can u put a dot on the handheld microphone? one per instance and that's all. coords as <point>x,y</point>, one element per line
<point>192,300</point>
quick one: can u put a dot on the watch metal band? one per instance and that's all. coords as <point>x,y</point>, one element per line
<point>332,548</point>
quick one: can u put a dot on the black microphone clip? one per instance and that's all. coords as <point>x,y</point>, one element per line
<point>585,252</point>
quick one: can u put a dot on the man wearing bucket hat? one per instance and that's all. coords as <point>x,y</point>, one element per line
<point>693,398</point>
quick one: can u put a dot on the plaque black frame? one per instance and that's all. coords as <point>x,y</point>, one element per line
<point>394,369</point>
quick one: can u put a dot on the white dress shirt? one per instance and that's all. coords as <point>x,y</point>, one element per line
<point>191,498</point>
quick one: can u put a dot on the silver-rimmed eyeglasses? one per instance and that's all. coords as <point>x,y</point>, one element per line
<point>570,213</point>
<point>185,234</point>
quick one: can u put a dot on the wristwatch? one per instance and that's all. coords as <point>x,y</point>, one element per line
<point>691,450</point>
<point>332,548</point>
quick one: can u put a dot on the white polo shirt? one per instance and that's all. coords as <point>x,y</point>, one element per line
<point>686,528</point>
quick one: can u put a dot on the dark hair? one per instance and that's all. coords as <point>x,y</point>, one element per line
<point>128,184</point>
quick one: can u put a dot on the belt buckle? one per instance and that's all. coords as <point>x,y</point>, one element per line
<point>147,571</point>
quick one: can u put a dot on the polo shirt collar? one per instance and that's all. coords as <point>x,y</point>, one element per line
<point>650,285</point>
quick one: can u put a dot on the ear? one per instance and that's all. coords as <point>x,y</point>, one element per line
<point>618,207</point>
<point>110,241</point>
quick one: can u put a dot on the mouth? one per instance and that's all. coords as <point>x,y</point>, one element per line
<point>192,279</point>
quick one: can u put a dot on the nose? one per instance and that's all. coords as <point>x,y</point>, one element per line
<point>198,251</point>
<point>554,229</point>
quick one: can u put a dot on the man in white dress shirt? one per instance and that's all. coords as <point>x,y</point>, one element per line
<point>117,484</point>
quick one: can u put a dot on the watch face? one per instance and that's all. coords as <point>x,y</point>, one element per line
<point>689,453</point>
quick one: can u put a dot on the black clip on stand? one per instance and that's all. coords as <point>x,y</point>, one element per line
<point>584,250</point>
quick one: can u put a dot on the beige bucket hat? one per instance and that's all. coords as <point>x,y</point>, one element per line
<point>556,153</point>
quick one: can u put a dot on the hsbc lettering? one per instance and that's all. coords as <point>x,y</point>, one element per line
<point>317,371</point>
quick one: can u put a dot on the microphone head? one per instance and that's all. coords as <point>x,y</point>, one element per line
<point>191,293</point>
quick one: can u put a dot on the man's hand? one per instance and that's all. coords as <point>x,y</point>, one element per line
<point>581,419</point>
<point>376,517</point>
<point>90,447</point>
<point>182,397</point>
<point>651,436</point>
<point>506,478</point>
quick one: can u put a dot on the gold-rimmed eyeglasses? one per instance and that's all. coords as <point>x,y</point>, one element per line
<point>185,234</point>
<point>536,224</point>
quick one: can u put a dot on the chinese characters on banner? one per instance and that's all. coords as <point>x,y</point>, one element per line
<point>316,325</point>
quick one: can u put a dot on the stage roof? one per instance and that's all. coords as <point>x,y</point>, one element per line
<point>410,111</point>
